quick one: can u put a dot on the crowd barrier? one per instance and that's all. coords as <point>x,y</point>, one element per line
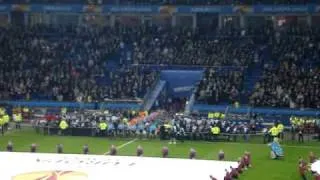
<point>47,130</point>
<point>137,105</point>
<point>257,137</point>
<point>206,136</point>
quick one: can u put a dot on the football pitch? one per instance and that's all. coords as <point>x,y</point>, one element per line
<point>263,168</point>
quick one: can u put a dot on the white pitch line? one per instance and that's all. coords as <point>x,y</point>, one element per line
<point>123,145</point>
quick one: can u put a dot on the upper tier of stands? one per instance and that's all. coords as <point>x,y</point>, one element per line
<point>74,63</point>
<point>289,60</point>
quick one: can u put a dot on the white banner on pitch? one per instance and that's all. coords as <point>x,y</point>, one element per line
<point>43,166</point>
<point>315,167</point>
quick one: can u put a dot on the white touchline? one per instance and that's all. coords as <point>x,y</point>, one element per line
<point>122,145</point>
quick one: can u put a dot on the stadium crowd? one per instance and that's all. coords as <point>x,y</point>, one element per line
<point>190,48</point>
<point>288,86</point>
<point>289,58</point>
<point>291,79</point>
<point>71,63</point>
<point>218,87</point>
<point>64,64</point>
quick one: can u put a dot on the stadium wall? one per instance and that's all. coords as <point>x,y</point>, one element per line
<point>197,107</point>
<point>104,105</point>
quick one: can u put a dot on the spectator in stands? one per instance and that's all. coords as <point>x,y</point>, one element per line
<point>185,48</point>
<point>66,64</point>
<point>294,81</point>
<point>218,87</point>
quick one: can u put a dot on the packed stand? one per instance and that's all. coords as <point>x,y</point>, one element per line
<point>185,47</point>
<point>129,83</point>
<point>291,78</point>
<point>64,63</point>
<point>288,86</point>
<point>217,87</point>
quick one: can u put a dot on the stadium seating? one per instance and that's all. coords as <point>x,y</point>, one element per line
<point>289,60</point>
<point>189,49</point>
<point>218,87</point>
<point>65,64</point>
<point>81,63</point>
<point>290,77</point>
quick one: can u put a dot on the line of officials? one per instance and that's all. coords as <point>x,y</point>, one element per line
<point>5,119</point>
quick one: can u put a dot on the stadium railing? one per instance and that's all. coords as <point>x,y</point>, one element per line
<point>255,137</point>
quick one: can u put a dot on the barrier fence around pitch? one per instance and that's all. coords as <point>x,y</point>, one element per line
<point>206,136</point>
<point>129,130</point>
<point>93,131</point>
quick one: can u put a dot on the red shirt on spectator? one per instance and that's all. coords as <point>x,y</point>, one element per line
<point>51,117</point>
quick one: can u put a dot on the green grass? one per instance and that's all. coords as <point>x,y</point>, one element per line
<point>263,168</point>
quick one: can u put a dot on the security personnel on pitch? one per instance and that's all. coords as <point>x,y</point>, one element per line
<point>63,125</point>
<point>215,132</point>
<point>280,129</point>
<point>103,128</point>
<point>274,132</point>
<point>17,118</point>
<point>1,125</point>
<point>6,120</point>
